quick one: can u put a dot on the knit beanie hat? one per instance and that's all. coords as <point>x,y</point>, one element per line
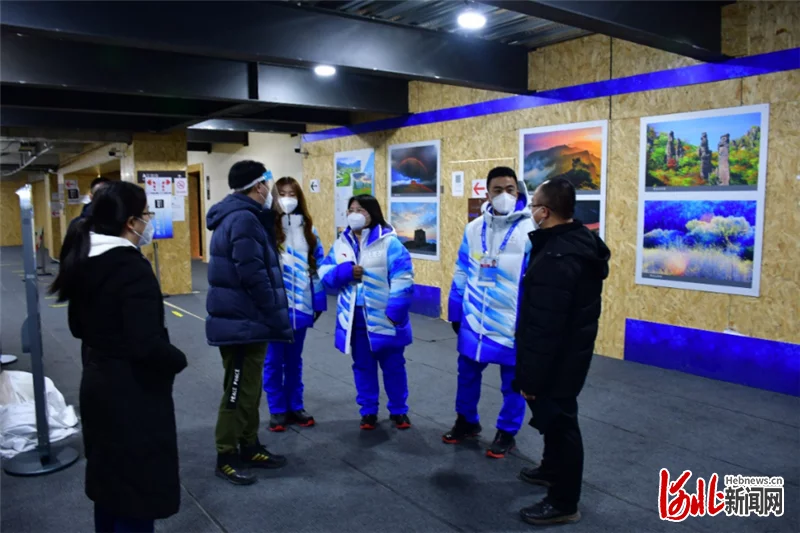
<point>500,172</point>
<point>245,174</point>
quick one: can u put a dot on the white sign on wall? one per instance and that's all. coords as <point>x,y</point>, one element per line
<point>178,207</point>
<point>478,189</point>
<point>314,186</point>
<point>73,192</point>
<point>458,184</point>
<point>181,186</point>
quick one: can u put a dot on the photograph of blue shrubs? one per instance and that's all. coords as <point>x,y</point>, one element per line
<point>710,242</point>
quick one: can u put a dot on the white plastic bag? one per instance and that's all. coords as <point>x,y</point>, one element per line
<point>18,413</point>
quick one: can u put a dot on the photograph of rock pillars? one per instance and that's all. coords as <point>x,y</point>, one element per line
<point>701,200</point>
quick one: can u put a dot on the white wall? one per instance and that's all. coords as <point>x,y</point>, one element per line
<point>276,151</point>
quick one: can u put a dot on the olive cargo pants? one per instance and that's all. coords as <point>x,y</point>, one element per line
<point>238,418</point>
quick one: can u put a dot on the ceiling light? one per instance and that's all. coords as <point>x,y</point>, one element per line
<point>471,20</point>
<point>324,70</point>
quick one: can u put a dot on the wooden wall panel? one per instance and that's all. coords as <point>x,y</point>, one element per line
<point>10,221</point>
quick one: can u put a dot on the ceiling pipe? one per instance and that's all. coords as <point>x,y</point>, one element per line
<point>31,160</point>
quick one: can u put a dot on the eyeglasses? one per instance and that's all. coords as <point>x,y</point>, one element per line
<point>148,215</point>
<point>357,210</point>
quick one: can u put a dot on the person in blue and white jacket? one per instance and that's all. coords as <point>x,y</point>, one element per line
<point>484,304</point>
<point>301,254</point>
<point>372,271</point>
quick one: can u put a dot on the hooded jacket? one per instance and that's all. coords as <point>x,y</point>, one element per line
<point>488,315</point>
<point>388,285</point>
<point>304,289</point>
<point>246,298</point>
<point>560,310</point>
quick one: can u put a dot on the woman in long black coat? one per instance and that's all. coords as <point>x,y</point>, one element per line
<point>116,309</point>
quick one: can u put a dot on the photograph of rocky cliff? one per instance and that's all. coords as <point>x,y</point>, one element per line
<point>574,154</point>
<point>706,152</point>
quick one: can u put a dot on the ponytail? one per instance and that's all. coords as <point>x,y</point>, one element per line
<point>74,254</point>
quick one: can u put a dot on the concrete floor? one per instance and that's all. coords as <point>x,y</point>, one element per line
<point>635,420</point>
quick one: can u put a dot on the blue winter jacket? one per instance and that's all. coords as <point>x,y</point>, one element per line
<point>488,315</point>
<point>304,289</point>
<point>387,285</point>
<point>246,298</point>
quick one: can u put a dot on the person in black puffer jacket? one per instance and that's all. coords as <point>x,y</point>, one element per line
<point>247,308</point>
<point>555,338</point>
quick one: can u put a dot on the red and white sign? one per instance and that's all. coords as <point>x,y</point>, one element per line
<point>164,185</point>
<point>181,187</point>
<point>151,185</point>
<point>478,189</point>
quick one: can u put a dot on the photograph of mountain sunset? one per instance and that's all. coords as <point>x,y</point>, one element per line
<point>574,154</point>
<point>414,170</point>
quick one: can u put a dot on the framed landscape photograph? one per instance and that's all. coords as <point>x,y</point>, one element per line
<point>353,174</point>
<point>702,180</point>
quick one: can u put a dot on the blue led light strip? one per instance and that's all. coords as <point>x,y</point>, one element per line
<point>742,67</point>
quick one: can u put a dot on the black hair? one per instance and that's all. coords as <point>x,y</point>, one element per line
<point>500,172</point>
<point>558,195</point>
<point>243,173</point>
<point>371,206</point>
<point>98,181</point>
<point>114,204</point>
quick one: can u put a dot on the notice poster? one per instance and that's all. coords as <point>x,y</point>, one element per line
<point>73,192</point>
<point>181,186</point>
<point>702,180</point>
<point>159,181</point>
<point>178,208</point>
<point>354,174</point>
<point>161,206</point>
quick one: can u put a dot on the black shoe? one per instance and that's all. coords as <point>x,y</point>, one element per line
<point>257,456</point>
<point>503,443</point>
<point>461,430</point>
<point>301,418</point>
<point>229,468</point>
<point>401,421</point>
<point>278,422</point>
<point>369,422</point>
<point>534,476</point>
<point>542,514</point>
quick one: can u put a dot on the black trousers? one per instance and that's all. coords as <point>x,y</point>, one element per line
<point>562,461</point>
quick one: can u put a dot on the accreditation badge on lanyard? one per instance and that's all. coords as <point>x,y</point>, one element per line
<point>487,271</point>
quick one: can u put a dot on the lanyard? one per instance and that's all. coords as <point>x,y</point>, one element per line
<point>505,239</point>
<point>354,244</point>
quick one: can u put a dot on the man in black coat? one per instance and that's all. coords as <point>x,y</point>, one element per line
<point>555,338</point>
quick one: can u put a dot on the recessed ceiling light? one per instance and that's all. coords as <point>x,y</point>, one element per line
<point>471,20</point>
<point>324,70</point>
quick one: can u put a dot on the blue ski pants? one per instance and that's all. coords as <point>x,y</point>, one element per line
<point>283,375</point>
<point>470,374</point>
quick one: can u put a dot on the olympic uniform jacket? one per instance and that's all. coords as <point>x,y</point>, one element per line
<point>388,285</point>
<point>303,288</point>
<point>488,315</point>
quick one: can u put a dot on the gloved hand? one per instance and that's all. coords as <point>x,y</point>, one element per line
<point>456,326</point>
<point>317,314</point>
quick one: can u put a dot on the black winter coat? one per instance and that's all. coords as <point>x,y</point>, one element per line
<point>126,404</point>
<point>560,309</point>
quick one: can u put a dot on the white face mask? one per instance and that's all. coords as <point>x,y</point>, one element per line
<point>356,221</point>
<point>288,204</point>
<point>146,236</point>
<point>533,219</point>
<point>504,203</point>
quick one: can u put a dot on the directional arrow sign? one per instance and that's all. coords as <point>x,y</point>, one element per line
<point>479,188</point>
<point>314,186</point>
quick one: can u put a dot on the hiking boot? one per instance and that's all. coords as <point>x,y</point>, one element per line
<point>401,421</point>
<point>229,468</point>
<point>461,430</point>
<point>503,443</point>
<point>543,514</point>
<point>301,418</point>
<point>369,422</point>
<point>534,476</point>
<point>257,456</point>
<point>278,422</point>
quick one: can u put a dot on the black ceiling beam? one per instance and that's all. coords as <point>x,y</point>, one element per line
<point>70,120</point>
<point>58,64</point>
<point>303,115</point>
<point>22,133</point>
<point>199,147</point>
<point>247,125</point>
<point>217,136</point>
<point>90,102</point>
<point>691,29</point>
<point>276,32</point>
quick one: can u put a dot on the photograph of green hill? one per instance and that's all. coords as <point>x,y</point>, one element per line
<point>715,151</point>
<point>574,154</point>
